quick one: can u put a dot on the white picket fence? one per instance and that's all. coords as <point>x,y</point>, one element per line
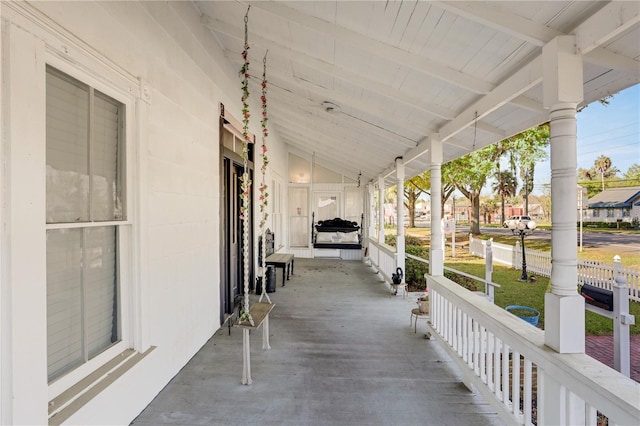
<point>598,274</point>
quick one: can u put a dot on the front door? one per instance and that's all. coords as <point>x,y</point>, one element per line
<point>232,238</point>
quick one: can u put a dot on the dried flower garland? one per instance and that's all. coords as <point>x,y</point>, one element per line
<point>264,195</point>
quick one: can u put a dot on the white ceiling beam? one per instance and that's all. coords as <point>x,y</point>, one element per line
<point>509,23</point>
<point>539,34</point>
<point>349,122</point>
<point>357,79</point>
<point>345,102</point>
<point>327,162</point>
<point>488,128</point>
<point>344,165</point>
<point>522,80</point>
<point>613,19</point>
<point>327,133</point>
<point>527,103</point>
<point>416,62</point>
<point>608,59</point>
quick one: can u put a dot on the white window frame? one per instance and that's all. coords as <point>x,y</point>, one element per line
<point>128,316</point>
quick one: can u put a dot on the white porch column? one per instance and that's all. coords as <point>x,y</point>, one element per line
<point>371,210</point>
<point>400,215</point>
<point>380,209</point>
<point>564,307</point>
<point>436,252</point>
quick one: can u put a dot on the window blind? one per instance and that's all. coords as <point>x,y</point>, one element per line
<point>84,174</point>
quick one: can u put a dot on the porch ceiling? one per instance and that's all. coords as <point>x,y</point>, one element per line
<point>396,72</point>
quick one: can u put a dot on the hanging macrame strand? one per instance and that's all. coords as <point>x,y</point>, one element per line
<point>245,181</point>
<point>264,202</point>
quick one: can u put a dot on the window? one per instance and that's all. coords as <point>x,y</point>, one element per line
<point>85,208</point>
<point>610,212</point>
<point>626,212</point>
<point>596,213</point>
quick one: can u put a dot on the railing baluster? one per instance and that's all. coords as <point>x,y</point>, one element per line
<point>465,338</point>
<point>528,392</point>
<point>490,361</point>
<point>505,374</point>
<point>497,356</point>
<point>591,415</point>
<point>483,354</point>
<point>454,327</point>
<point>515,383</point>
<point>476,347</point>
<point>470,341</point>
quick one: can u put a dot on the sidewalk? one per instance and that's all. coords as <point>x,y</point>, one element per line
<point>601,348</point>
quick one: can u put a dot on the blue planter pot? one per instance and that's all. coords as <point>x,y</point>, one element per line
<point>532,316</point>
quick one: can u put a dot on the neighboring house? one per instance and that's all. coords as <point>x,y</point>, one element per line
<point>615,204</point>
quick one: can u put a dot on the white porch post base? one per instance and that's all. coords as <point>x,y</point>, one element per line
<point>564,323</point>
<point>436,262</point>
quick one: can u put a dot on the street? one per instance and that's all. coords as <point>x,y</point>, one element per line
<point>619,244</point>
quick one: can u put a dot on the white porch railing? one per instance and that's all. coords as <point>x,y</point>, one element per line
<point>502,253</point>
<point>383,258</point>
<point>505,359</point>
<point>598,274</point>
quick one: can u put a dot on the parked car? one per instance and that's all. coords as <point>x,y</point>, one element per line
<point>514,220</point>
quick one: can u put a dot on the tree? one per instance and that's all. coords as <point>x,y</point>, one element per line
<point>529,148</point>
<point>522,151</point>
<point>585,174</point>
<point>632,175</point>
<point>602,166</point>
<point>505,186</point>
<point>469,175</point>
<point>488,207</point>
<point>413,188</point>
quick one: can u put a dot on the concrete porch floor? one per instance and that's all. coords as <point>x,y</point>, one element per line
<point>343,353</point>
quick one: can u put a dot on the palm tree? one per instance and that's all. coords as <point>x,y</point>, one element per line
<point>602,165</point>
<point>505,186</point>
<point>488,207</point>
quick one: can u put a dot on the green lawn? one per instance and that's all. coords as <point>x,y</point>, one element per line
<point>514,292</point>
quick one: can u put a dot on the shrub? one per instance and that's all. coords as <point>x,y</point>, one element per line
<point>466,282</point>
<point>415,270</point>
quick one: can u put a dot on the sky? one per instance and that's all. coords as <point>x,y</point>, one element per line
<point>612,130</point>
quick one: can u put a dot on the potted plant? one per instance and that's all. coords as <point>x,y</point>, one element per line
<point>423,303</point>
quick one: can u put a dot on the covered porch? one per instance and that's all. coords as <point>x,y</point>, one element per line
<point>365,95</point>
<point>342,352</point>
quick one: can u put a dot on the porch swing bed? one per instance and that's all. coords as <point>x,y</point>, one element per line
<point>336,233</point>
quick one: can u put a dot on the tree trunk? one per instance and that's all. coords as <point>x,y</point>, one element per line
<point>475,214</point>
<point>411,206</point>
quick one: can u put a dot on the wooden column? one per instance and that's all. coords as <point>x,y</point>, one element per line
<point>436,251</point>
